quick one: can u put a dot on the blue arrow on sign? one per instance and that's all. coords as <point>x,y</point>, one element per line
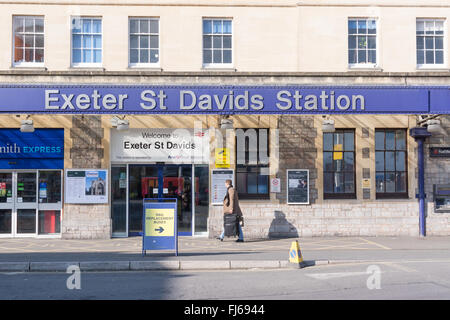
<point>160,229</point>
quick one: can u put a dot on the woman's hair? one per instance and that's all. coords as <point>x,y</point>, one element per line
<point>228,181</point>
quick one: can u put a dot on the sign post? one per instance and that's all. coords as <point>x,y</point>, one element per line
<point>159,225</point>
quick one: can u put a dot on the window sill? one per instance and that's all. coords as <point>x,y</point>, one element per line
<point>432,68</point>
<point>364,68</point>
<point>88,68</point>
<point>39,67</point>
<point>218,68</point>
<point>145,68</point>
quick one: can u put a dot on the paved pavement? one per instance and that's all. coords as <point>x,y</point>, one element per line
<point>204,253</point>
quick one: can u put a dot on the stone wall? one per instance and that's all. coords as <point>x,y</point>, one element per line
<point>86,221</point>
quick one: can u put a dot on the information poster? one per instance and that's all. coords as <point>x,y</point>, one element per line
<point>86,186</point>
<point>297,186</point>
<point>218,188</point>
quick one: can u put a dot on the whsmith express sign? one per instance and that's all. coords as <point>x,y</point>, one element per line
<point>221,99</point>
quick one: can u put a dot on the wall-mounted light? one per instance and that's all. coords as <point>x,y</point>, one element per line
<point>226,122</point>
<point>120,124</point>
<point>26,125</point>
<point>434,126</point>
<point>328,125</point>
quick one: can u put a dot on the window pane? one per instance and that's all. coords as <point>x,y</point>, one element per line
<point>328,161</point>
<point>252,183</point>
<point>97,26</point>
<point>372,56</point>
<point>49,222</point>
<point>439,27</point>
<point>87,56</point>
<point>29,55</point>
<point>144,42</point>
<point>154,26</point>
<point>217,56</point>
<point>439,42</point>
<point>349,161</point>
<point>154,56</point>
<point>338,164</point>
<point>97,42</point>
<point>76,41</point>
<point>380,181</point>
<point>390,140</point>
<point>86,26</point>
<point>207,56</point>
<point>263,184</point>
<point>207,26</point>
<point>349,183</point>
<point>420,27</point>
<point>352,57</point>
<point>18,55</point>
<point>227,26</point>
<point>39,41</point>
<point>352,42</point>
<point>18,24</point>
<point>29,25</point>
<point>429,57</point>
<point>39,25</point>
<point>241,181</point>
<point>400,138</point>
<point>217,26</point>
<point>349,144</point>
<point>390,182</point>
<point>420,57</point>
<point>76,26</point>
<point>227,56</point>
<point>328,182</point>
<point>361,56</point>
<point>351,26</point>
<point>328,141</point>
<point>339,183</point>
<point>29,41</point>
<point>379,161</point>
<point>154,42</point>
<point>134,56</point>
<point>134,26</point>
<point>87,41</point>
<point>207,42</point>
<point>362,26</point>
<point>400,161</point>
<point>134,42</point>
<point>227,42</point>
<point>97,56</point>
<point>217,42</point>
<point>372,27</point>
<point>420,42</point>
<point>144,55</point>
<point>144,26</point>
<point>401,182</point>
<point>76,55</point>
<point>439,56</point>
<point>362,42</point>
<point>338,139</point>
<point>372,42</point>
<point>429,27</point>
<point>390,161</point>
<point>39,55</point>
<point>429,42</point>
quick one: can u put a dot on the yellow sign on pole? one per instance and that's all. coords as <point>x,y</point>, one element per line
<point>338,155</point>
<point>159,222</point>
<point>222,158</point>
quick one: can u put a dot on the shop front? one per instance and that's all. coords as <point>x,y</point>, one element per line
<point>31,165</point>
<point>159,164</point>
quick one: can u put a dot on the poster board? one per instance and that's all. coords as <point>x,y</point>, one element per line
<point>159,223</point>
<point>218,189</point>
<point>86,186</point>
<point>297,186</point>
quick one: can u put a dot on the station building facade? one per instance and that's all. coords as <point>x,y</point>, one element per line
<point>274,70</point>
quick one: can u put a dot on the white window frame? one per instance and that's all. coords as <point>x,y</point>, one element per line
<point>444,47</point>
<point>26,64</point>
<point>84,64</point>
<point>377,56</point>
<point>213,65</point>
<point>149,64</point>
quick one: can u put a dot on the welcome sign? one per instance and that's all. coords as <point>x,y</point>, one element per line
<point>222,99</point>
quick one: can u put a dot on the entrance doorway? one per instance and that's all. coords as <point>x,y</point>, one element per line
<point>30,203</point>
<point>132,183</point>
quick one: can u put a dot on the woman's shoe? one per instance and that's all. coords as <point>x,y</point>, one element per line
<point>239,240</point>
<point>219,238</point>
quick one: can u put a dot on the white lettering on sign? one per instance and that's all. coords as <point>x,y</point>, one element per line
<point>53,99</point>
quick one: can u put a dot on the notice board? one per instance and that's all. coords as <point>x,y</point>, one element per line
<point>218,189</point>
<point>297,186</point>
<point>86,186</point>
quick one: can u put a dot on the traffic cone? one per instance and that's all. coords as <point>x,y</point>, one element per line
<point>295,256</point>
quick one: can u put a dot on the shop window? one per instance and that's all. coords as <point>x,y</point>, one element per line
<point>144,41</point>
<point>217,42</point>
<point>28,40</point>
<point>339,164</point>
<point>391,163</point>
<point>430,42</point>
<point>252,163</point>
<point>86,41</point>
<point>49,222</point>
<point>362,42</point>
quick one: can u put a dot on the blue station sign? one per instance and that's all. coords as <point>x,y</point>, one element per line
<point>121,99</point>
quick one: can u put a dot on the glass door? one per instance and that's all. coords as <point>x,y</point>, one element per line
<point>25,203</point>
<point>50,205</point>
<point>201,204</point>
<point>119,201</point>
<point>6,204</point>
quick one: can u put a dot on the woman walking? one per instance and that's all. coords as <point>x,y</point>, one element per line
<point>231,207</point>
